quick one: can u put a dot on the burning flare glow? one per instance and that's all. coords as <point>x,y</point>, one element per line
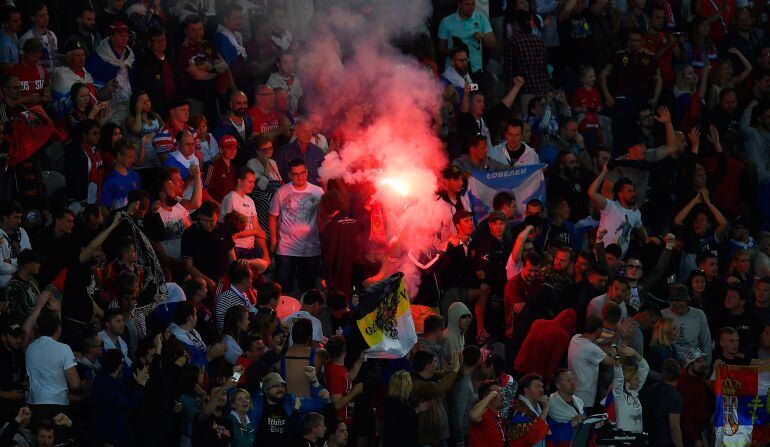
<point>397,185</point>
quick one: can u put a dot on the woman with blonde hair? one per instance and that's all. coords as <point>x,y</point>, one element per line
<point>244,430</point>
<point>629,379</point>
<point>662,345</point>
<point>400,425</point>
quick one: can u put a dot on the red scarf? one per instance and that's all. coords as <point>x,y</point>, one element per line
<point>96,173</point>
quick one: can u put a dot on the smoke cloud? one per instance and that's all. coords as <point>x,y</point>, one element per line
<point>352,63</point>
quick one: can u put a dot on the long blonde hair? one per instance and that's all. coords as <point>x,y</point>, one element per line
<point>661,329</point>
<point>400,385</point>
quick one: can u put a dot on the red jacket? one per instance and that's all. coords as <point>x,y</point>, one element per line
<point>697,404</point>
<point>546,344</point>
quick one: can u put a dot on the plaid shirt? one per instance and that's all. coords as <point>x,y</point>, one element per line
<point>313,157</point>
<point>526,56</point>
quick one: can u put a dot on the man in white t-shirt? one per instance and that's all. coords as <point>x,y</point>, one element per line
<point>618,216</point>
<point>51,368</point>
<point>312,300</point>
<point>584,357</point>
<point>250,242</point>
<point>294,230</point>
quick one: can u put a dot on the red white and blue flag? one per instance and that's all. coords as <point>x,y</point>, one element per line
<point>742,415</point>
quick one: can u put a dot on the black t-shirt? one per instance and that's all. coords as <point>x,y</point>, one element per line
<point>274,426</point>
<point>55,253</point>
<point>80,287</point>
<point>740,360</point>
<point>661,400</point>
<point>212,432</point>
<point>208,250</point>
<point>12,373</point>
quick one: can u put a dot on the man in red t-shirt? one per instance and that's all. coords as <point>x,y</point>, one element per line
<point>266,119</point>
<point>338,379</point>
<point>486,424</point>
<point>200,67</point>
<point>35,82</point>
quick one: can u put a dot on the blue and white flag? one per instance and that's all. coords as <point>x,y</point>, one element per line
<point>525,182</point>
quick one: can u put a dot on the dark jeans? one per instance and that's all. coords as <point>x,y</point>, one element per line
<point>303,269</point>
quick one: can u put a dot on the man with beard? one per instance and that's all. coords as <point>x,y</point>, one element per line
<point>618,216</point>
<point>697,399</point>
<point>640,283</point>
<point>564,182</point>
<point>273,407</point>
<point>211,426</point>
<point>86,34</point>
<point>513,151</point>
<point>456,73</point>
<point>239,125</point>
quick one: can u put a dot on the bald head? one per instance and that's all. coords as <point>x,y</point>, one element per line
<point>239,102</point>
<point>264,98</point>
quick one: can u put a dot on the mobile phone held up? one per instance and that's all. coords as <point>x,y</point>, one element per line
<point>235,377</point>
<point>474,87</point>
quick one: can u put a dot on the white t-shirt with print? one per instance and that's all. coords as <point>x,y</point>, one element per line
<point>583,358</point>
<point>244,205</point>
<point>174,223</point>
<point>47,360</point>
<point>619,222</point>
<point>297,220</point>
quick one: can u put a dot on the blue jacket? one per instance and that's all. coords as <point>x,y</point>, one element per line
<point>307,404</point>
<point>112,406</point>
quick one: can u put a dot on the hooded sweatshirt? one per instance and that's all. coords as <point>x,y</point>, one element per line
<point>545,345</point>
<point>454,338</point>
<point>693,332</point>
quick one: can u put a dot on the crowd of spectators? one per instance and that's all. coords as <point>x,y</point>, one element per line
<point>158,148</point>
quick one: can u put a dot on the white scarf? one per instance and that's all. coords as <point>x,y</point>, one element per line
<point>186,162</point>
<point>535,407</point>
<point>455,78</point>
<point>192,338</point>
<point>124,63</point>
<point>109,344</point>
<point>235,38</point>
<point>560,410</point>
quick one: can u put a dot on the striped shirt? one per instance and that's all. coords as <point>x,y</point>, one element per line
<point>231,297</point>
<point>165,141</point>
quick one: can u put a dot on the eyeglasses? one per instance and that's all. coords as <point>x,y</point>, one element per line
<point>467,317</point>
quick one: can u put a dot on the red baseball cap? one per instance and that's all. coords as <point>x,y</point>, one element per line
<point>118,27</point>
<point>228,141</point>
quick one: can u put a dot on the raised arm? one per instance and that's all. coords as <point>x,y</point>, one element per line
<point>88,252</point>
<point>720,218</point>
<point>518,247</point>
<point>477,412</point>
<point>603,76</point>
<point>685,211</point>
<point>197,196</point>
<point>664,117</point>
<point>510,97</point>
<point>593,191</point>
